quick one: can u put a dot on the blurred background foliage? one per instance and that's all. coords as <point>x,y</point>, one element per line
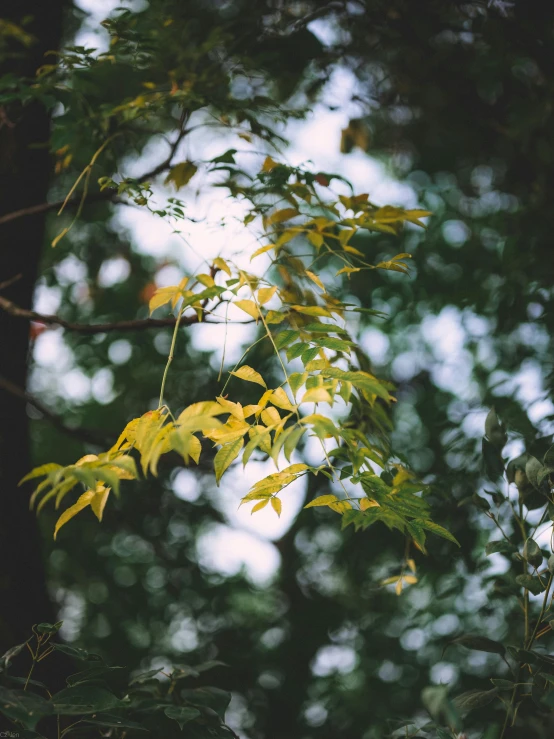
<point>455,100</point>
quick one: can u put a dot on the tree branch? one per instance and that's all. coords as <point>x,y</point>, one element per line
<point>138,324</point>
<point>104,195</point>
<point>88,436</point>
<point>92,328</point>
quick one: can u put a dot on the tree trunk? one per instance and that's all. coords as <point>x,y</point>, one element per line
<point>24,175</point>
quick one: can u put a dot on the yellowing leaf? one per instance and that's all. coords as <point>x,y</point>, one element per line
<point>312,310</point>
<point>317,395</point>
<point>275,316</point>
<point>322,500</point>
<point>248,306</point>
<point>271,417</point>
<point>260,505</point>
<point>162,296</point>
<point>206,280</point>
<point>227,454</point>
<point>222,265</point>
<point>315,278</point>
<point>411,564</point>
<point>249,410</point>
<point>276,505</point>
<point>347,271</point>
<point>265,294</point>
<point>269,164</point>
<point>352,250</point>
<point>281,215</point>
<point>398,588</point>
<point>181,174</point>
<point>410,579</point>
<point>68,514</point>
<point>235,409</point>
<point>281,400</point>
<point>204,408</point>
<point>366,503</point>
<point>98,502</point>
<point>250,375</point>
<point>262,250</point>
<point>340,506</point>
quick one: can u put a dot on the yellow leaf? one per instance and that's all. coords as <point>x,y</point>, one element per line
<point>249,410</point>
<point>259,506</point>
<point>271,417</point>
<point>410,579</point>
<point>274,316</point>
<point>352,250</point>
<point>162,296</point>
<point>206,280</point>
<point>366,503</point>
<point>235,409</point>
<point>269,164</point>
<point>227,454</point>
<point>262,250</point>
<point>276,505</point>
<point>204,408</point>
<point>348,271</point>
<point>281,400</point>
<point>317,395</point>
<point>248,306</point>
<point>68,514</point>
<point>222,265</point>
<point>315,239</point>
<point>340,506</point>
<point>322,500</point>
<point>265,294</point>
<point>315,278</point>
<point>250,375</point>
<point>312,310</point>
<point>98,502</point>
<point>411,564</point>
<point>390,580</point>
<point>281,215</point>
<point>398,588</point>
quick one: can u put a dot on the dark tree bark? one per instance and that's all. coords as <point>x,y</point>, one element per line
<point>24,175</point>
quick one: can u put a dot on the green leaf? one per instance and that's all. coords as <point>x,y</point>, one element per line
<point>501,545</point>
<point>227,454</point>
<point>83,699</point>
<point>182,714</point>
<point>361,380</point>
<point>438,530</point>
<point>479,643</point>
<point>473,699</point>
<point>46,628</point>
<point>181,174</point>
<point>284,338</point>
<point>494,466</point>
<point>214,698</point>
<point>531,583</point>
<point>532,553</point>
<point>27,708</point>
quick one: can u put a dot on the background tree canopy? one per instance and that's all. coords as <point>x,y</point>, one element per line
<point>452,103</point>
